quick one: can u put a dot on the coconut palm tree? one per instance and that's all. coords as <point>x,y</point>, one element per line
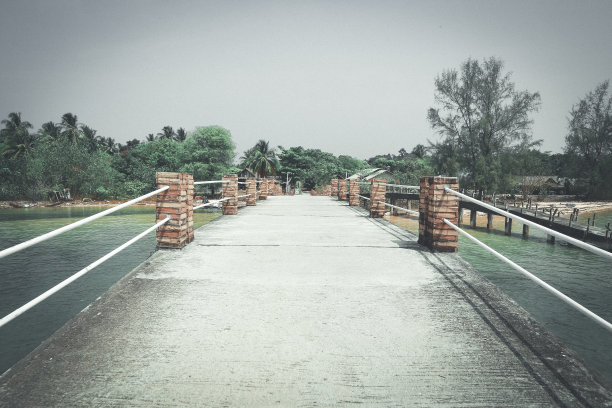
<point>261,159</point>
<point>89,137</point>
<point>150,137</point>
<point>166,133</point>
<point>181,135</point>
<point>50,130</point>
<point>70,127</point>
<point>15,139</point>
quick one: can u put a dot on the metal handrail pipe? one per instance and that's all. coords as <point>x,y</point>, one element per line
<point>537,280</point>
<point>211,182</point>
<point>77,275</point>
<point>400,208</point>
<point>244,182</point>
<point>573,241</point>
<point>211,203</point>
<point>44,237</point>
<point>242,196</point>
<point>400,185</point>
<point>364,183</point>
<point>364,197</point>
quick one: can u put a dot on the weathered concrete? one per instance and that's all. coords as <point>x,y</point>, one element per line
<point>302,301</point>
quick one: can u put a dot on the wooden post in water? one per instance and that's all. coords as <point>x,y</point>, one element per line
<point>550,239</point>
<point>473,215</point>
<point>489,221</point>
<point>177,203</point>
<point>435,205</point>
<point>525,230</point>
<point>230,190</point>
<point>508,226</point>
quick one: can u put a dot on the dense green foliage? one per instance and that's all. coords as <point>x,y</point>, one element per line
<point>485,140</point>
<point>481,118</point>
<point>71,155</point>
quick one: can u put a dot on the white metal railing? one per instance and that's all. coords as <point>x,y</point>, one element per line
<point>211,203</point>
<point>77,275</point>
<point>534,278</point>
<point>242,196</point>
<point>244,182</point>
<point>400,208</point>
<point>44,237</point>
<point>364,197</point>
<point>401,185</point>
<point>211,182</point>
<point>560,235</point>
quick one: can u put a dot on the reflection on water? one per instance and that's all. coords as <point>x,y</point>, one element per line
<point>583,276</point>
<point>27,274</point>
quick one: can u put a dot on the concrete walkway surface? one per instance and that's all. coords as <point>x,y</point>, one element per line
<point>300,302</point>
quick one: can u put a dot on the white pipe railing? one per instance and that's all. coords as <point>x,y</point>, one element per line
<point>242,196</point>
<point>44,237</point>
<point>211,203</point>
<point>364,197</point>
<point>534,278</point>
<point>244,182</point>
<point>211,182</point>
<point>399,208</point>
<point>77,275</point>
<point>573,241</point>
<point>401,185</point>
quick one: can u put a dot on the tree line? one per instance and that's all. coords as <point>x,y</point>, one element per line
<point>482,120</point>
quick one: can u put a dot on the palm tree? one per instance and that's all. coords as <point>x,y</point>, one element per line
<point>71,127</point>
<point>150,137</point>
<point>167,133</point>
<point>15,139</point>
<point>50,130</point>
<point>89,136</point>
<point>181,135</point>
<point>261,159</point>
<point>108,145</point>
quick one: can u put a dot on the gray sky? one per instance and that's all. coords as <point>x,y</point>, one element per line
<point>348,77</point>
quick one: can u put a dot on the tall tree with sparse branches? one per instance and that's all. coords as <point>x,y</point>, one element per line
<point>481,115</point>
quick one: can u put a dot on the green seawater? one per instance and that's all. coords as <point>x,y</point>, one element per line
<point>581,275</point>
<point>27,274</point>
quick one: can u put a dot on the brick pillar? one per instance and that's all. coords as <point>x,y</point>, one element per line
<point>342,190</point>
<point>252,190</point>
<point>434,205</point>
<point>230,207</point>
<point>177,202</point>
<point>378,193</point>
<point>353,191</point>
<point>270,183</point>
<point>334,188</point>
<point>263,189</point>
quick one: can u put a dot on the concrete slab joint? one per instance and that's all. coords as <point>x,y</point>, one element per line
<point>230,190</point>
<point>435,204</point>
<point>176,202</point>
<point>378,193</point>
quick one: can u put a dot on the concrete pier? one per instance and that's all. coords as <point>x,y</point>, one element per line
<point>302,301</point>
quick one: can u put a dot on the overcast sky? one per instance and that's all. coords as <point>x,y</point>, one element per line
<point>348,77</point>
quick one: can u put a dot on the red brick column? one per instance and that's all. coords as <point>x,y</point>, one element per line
<point>270,187</point>
<point>263,189</point>
<point>342,186</point>
<point>176,202</point>
<point>353,191</point>
<point>438,204</point>
<point>230,207</point>
<point>378,192</point>
<point>252,190</point>
<point>334,188</point>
